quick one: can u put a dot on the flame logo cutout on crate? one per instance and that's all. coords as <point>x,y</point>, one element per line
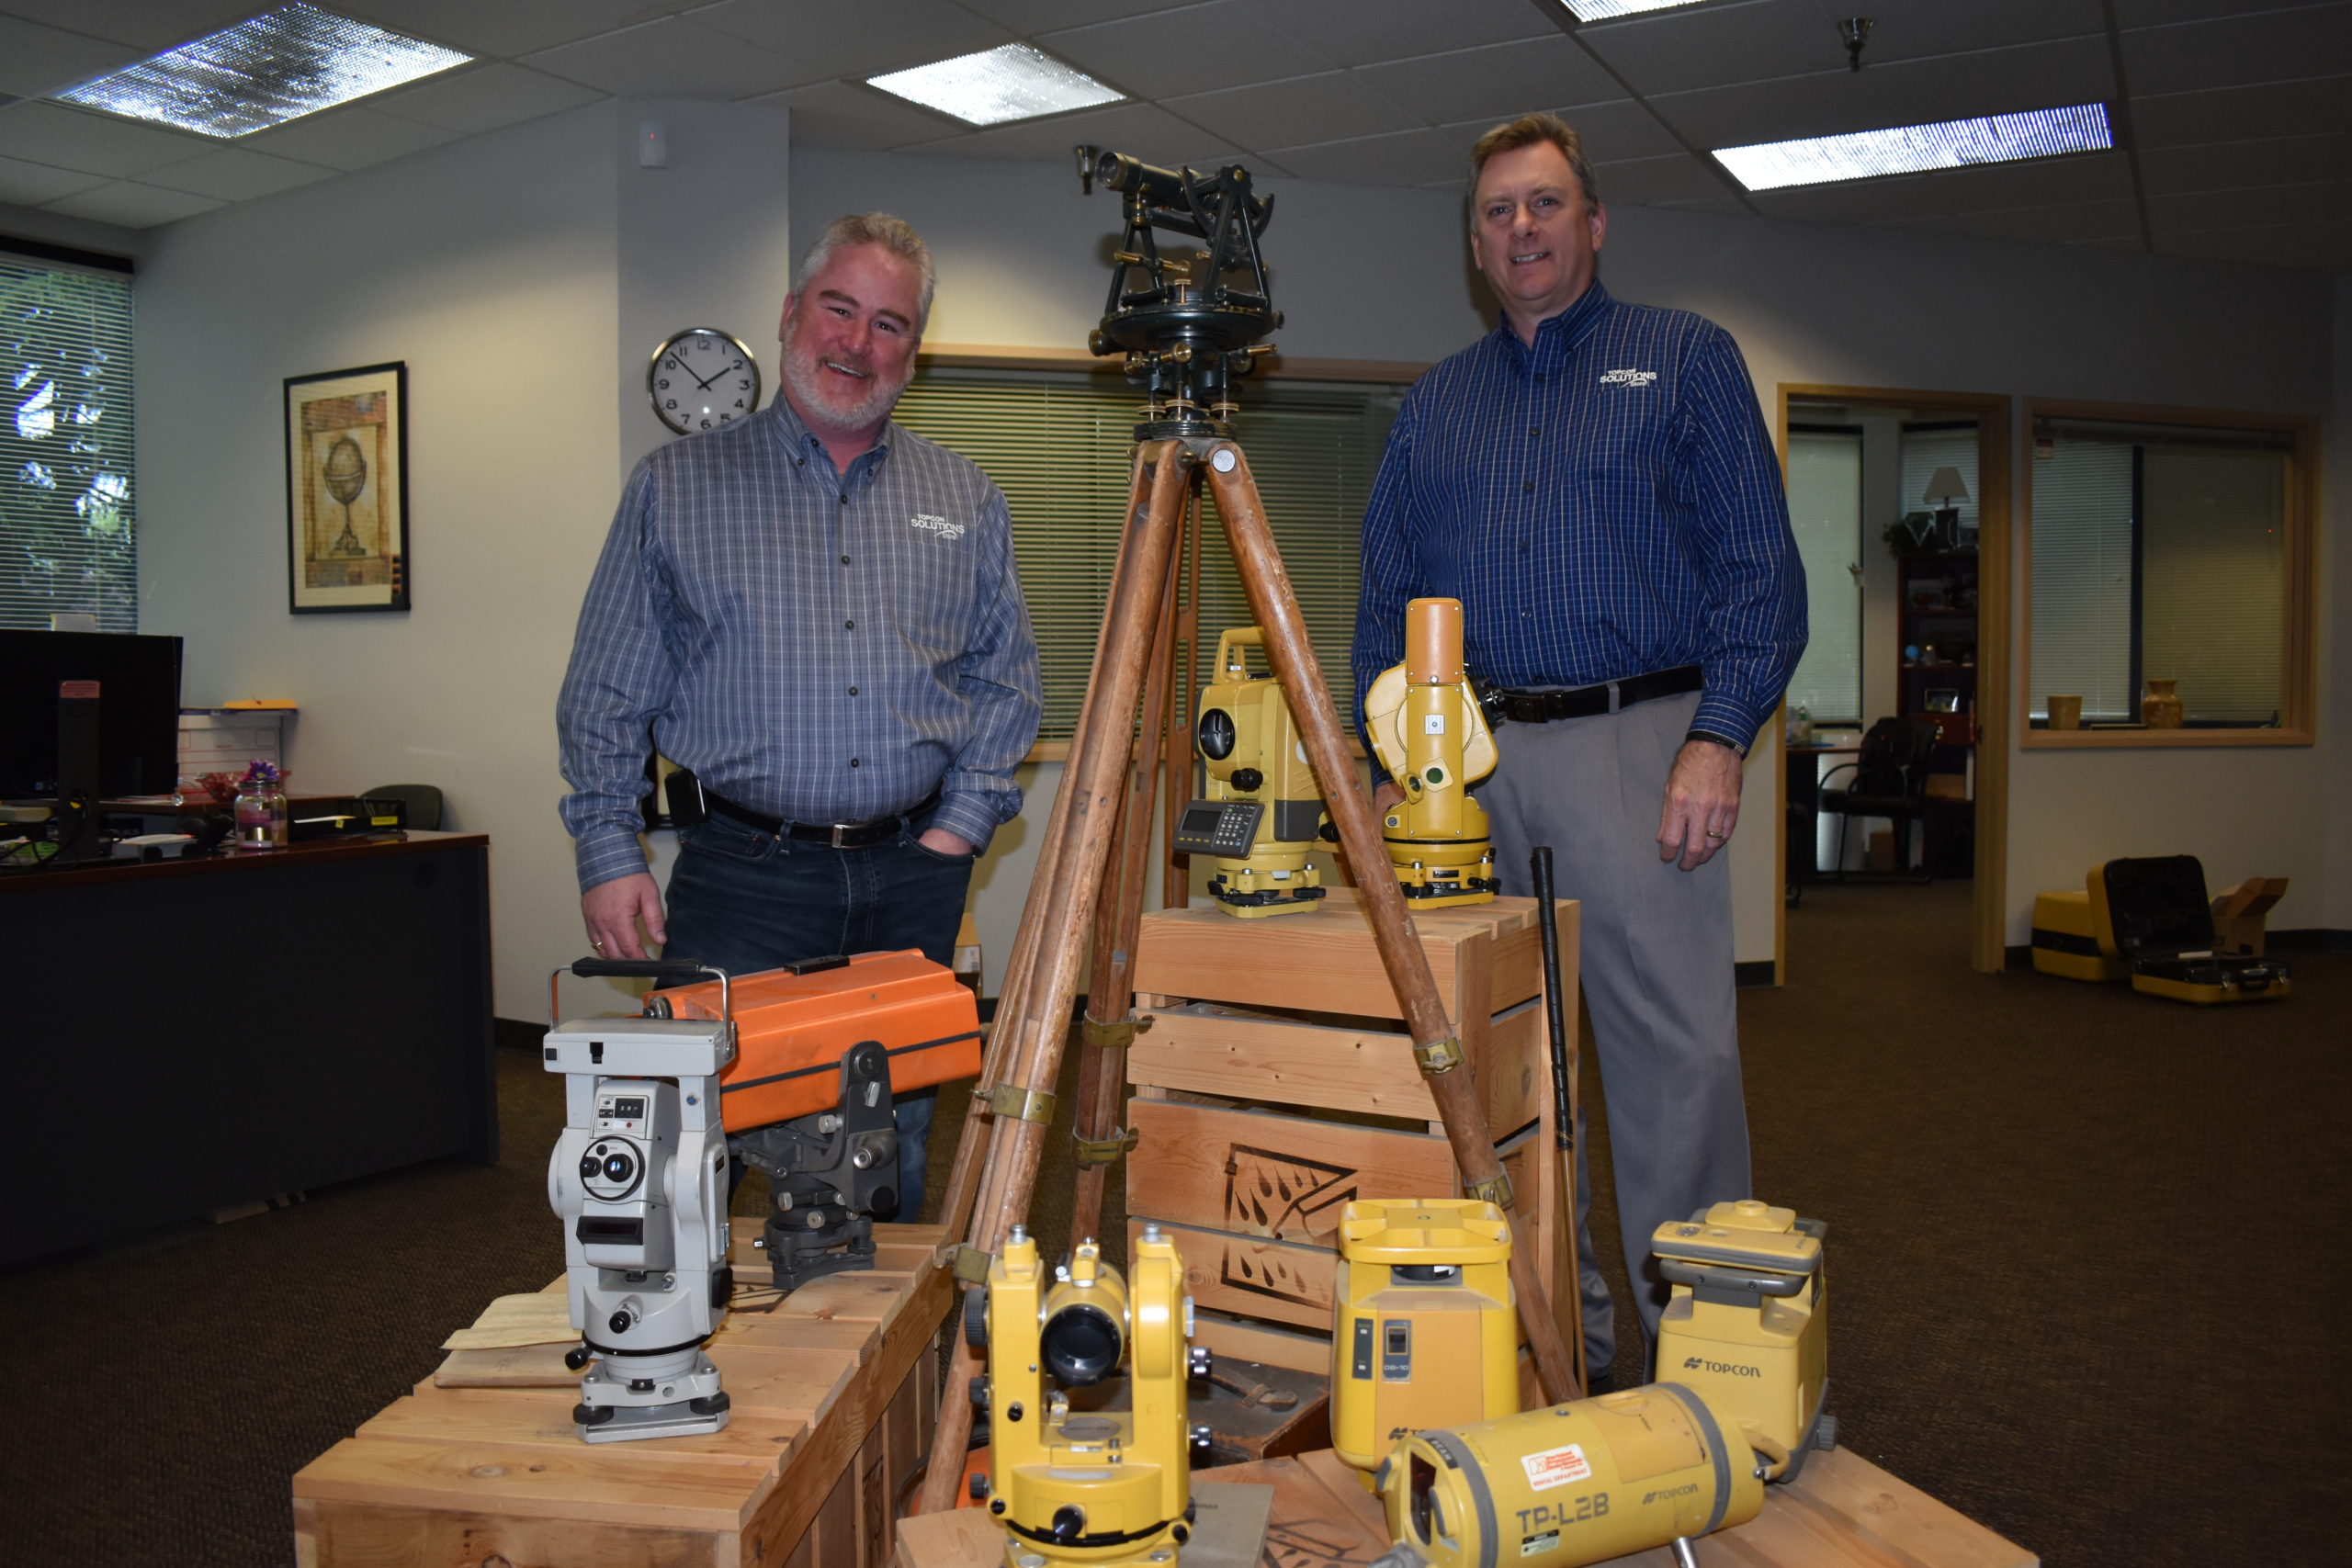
<point>1309,1546</point>
<point>1270,1193</point>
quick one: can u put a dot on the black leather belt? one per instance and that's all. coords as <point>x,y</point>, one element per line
<point>1542,707</point>
<point>840,835</point>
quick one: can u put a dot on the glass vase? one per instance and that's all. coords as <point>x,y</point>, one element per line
<point>261,817</point>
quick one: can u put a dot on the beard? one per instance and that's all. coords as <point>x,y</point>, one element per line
<point>845,409</point>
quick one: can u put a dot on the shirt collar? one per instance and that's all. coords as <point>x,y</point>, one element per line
<point>1556,336</point>
<point>801,442</point>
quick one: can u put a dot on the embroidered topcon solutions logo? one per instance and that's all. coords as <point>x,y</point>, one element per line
<point>938,525</point>
<point>1627,377</point>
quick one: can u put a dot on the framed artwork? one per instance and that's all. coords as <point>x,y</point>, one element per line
<point>347,490</point>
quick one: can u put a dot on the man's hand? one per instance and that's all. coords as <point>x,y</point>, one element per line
<point>1386,796</point>
<point>1702,802</point>
<point>939,840</point>
<point>612,910</point>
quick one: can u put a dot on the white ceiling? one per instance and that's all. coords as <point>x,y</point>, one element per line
<point>2233,118</point>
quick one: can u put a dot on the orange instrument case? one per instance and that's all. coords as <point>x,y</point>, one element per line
<point>791,1029</point>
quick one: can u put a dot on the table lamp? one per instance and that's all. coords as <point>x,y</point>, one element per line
<point>1945,492</point>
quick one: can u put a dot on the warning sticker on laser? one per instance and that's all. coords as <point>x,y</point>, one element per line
<point>1556,1467</point>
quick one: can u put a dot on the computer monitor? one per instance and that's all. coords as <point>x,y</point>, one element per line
<point>137,712</point>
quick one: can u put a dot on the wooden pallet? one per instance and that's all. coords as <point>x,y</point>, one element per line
<point>1843,1512</point>
<point>833,1395</point>
<point>1275,1084</point>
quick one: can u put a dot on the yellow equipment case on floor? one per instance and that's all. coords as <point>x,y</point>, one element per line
<point>2063,943</point>
<point>2152,914</point>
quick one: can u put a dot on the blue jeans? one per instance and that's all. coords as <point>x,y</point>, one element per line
<point>743,901</point>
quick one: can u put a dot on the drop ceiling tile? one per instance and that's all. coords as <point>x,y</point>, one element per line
<point>1985,187</point>
<point>1141,130</point>
<point>1496,82</point>
<point>2156,13</point>
<point>1730,206</point>
<point>347,137</point>
<point>1295,113</point>
<point>127,205</point>
<point>2285,244</point>
<point>145,25</point>
<point>2275,160</point>
<point>1714,46</point>
<point>36,60</point>
<point>30,184</point>
<point>237,174</point>
<point>1362,32</point>
<point>2236,51</point>
<point>1914,92</point>
<point>1198,49</point>
<point>1612,132</point>
<point>1030,17</point>
<point>505,27</point>
<point>841,117</point>
<point>2237,114</point>
<point>1400,158</point>
<point>855,38</point>
<point>91,143</point>
<point>484,98</point>
<point>2265,206</point>
<point>2046,225</point>
<point>675,58</point>
<point>1651,182</point>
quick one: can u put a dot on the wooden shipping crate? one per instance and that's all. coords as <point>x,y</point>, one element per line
<point>833,1394</point>
<point>1265,1035</point>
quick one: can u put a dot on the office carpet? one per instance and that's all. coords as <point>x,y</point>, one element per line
<point>2085,1251</point>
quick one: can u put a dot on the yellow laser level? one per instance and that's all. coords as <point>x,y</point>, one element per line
<point>1426,1331</point>
<point>1569,1485</point>
<point>1749,1323</point>
<point>1100,1488</point>
<point>1428,733</point>
<point>1259,809</point>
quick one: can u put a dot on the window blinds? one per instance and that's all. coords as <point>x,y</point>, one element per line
<point>2210,580</point>
<point>67,538</point>
<point>2082,577</point>
<point>1826,511</point>
<point>1060,446</point>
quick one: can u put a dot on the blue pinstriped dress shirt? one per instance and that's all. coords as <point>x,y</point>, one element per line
<point>815,645</point>
<point>1605,503</point>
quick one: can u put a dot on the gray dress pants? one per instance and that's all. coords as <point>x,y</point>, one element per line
<point>1656,962</point>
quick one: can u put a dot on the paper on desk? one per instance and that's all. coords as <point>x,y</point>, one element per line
<point>1228,1524</point>
<point>536,1319</point>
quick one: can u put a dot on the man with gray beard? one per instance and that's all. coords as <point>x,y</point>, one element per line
<point>815,614</point>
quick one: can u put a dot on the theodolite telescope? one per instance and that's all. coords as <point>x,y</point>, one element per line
<point>1260,810</point>
<point>1428,731</point>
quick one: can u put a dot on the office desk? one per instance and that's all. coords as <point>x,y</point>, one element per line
<point>191,1035</point>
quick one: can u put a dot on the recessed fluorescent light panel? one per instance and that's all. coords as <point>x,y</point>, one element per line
<point>998,85</point>
<point>1910,148</point>
<point>1601,10</point>
<point>279,66</point>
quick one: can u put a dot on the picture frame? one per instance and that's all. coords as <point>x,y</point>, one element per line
<point>347,490</point>
<point>1943,699</point>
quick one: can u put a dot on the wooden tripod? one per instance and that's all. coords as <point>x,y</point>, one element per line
<point>1103,789</point>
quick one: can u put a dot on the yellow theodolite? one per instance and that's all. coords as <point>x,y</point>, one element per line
<point>1749,1323</point>
<point>1427,1330</point>
<point>1428,733</point>
<point>1097,1487</point>
<point>1260,810</point>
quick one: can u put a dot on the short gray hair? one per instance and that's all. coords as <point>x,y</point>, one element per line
<point>895,235</point>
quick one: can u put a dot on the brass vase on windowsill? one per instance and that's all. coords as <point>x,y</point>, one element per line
<point>2161,708</point>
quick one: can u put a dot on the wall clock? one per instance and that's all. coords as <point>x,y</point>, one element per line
<point>702,378</point>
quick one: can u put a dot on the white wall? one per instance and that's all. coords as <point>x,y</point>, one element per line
<point>2334,645</point>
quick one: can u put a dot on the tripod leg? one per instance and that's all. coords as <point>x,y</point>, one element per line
<point>1435,1045</point>
<point>1093,780</point>
<point>1110,999</point>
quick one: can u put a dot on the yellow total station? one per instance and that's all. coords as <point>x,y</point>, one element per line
<point>1259,809</point>
<point>1749,1323</point>
<point>1569,1485</point>
<point>1427,1330</point>
<point>1428,732</point>
<point>1097,1487</point>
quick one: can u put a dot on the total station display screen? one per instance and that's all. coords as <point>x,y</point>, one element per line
<point>1201,820</point>
<point>629,1110</point>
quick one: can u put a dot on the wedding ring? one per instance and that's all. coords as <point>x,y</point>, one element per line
<point>1712,834</point>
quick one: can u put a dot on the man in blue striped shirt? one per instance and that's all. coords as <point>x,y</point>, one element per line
<point>815,613</point>
<point>1594,481</point>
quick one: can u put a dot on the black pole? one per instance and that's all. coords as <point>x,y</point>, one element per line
<point>1547,920</point>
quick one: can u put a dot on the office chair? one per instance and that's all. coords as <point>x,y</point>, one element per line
<point>424,803</point>
<point>1890,781</point>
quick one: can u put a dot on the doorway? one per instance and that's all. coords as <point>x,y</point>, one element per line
<point>1916,623</point>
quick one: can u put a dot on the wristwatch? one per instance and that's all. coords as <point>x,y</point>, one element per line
<point>1724,740</point>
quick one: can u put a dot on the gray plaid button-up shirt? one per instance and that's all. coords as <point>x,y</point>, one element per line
<point>818,646</point>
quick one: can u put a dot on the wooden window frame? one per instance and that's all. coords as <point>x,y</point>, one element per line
<point>2298,671</point>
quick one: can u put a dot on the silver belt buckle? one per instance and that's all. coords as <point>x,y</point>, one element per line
<point>841,828</point>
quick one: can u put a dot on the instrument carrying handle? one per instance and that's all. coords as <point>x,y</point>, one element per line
<point>1228,662</point>
<point>663,970</point>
